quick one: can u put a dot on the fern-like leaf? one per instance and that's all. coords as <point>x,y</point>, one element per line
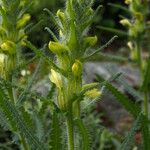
<point>129,140</point>
<point>17,121</point>
<point>130,89</point>
<point>3,121</point>
<point>84,133</point>
<point>145,133</point>
<point>56,139</point>
<point>23,95</point>
<point>124,100</point>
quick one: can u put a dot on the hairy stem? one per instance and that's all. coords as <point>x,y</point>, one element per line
<point>146,103</point>
<point>139,57</point>
<point>70,131</point>
<point>140,61</point>
<point>23,142</point>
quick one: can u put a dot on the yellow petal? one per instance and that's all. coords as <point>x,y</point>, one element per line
<point>56,78</point>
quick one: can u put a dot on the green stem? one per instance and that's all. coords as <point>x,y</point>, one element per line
<point>10,90</point>
<point>146,103</point>
<point>139,57</point>
<point>142,76</point>
<point>24,144</point>
<point>70,131</point>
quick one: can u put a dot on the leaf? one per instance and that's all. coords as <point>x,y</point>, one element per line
<point>145,133</point>
<point>3,121</point>
<point>41,54</point>
<point>52,34</point>
<point>87,23</point>
<point>100,49</point>
<point>17,121</point>
<point>124,100</point>
<point>23,95</point>
<point>39,126</point>
<point>84,133</point>
<point>56,139</point>
<point>146,76</point>
<point>109,57</point>
<point>130,89</point>
<point>53,18</point>
<point>129,140</point>
<point>116,31</point>
<point>120,7</point>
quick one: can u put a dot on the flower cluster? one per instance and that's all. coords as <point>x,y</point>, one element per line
<point>136,25</point>
<point>12,33</point>
<point>70,48</point>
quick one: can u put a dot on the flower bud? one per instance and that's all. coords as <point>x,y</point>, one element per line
<point>125,22</point>
<point>90,41</point>
<point>61,100</point>
<point>56,78</point>
<point>132,48</point>
<point>128,2</point>
<point>61,33</point>
<point>91,10</point>
<point>9,47</point>
<point>23,21</point>
<point>93,93</point>
<point>89,86</point>
<point>130,45</point>
<point>57,48</point>
<point>60,15</point>
<point>3,59</point>
<point>77,68</point>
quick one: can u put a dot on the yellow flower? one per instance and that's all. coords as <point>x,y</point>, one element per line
<point>93,93</point>
<point>128,1</point>
<point>90,41</point>
<point>23,21</point>
<point>77,68</point>
<point>57,48</point>
<point>130,45</point>
<point>61,15</point>
<point>56,78</point>
<point>125,22</point>
<point>89,86</point>
<point>9,47</point>
<point>3,59</point>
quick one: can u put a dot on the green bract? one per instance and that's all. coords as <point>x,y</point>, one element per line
<point>77,68</point>
<point>58,48</point>
<point>23,21</point>
<point>8,47</point>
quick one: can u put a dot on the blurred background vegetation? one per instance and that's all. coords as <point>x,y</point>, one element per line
<point>108,16</point>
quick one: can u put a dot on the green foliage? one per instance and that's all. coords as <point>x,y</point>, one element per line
<point>16,121</point>
<point>56,137</point>
<point>84,133</point>
<point>54,120</point>
<point>127,103</point>
<point>129,140</point>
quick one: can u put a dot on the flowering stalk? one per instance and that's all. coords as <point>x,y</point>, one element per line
<point>70,50</point>
<point>137,31</point>
<point>13,21</point>
<point>12,33</point>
